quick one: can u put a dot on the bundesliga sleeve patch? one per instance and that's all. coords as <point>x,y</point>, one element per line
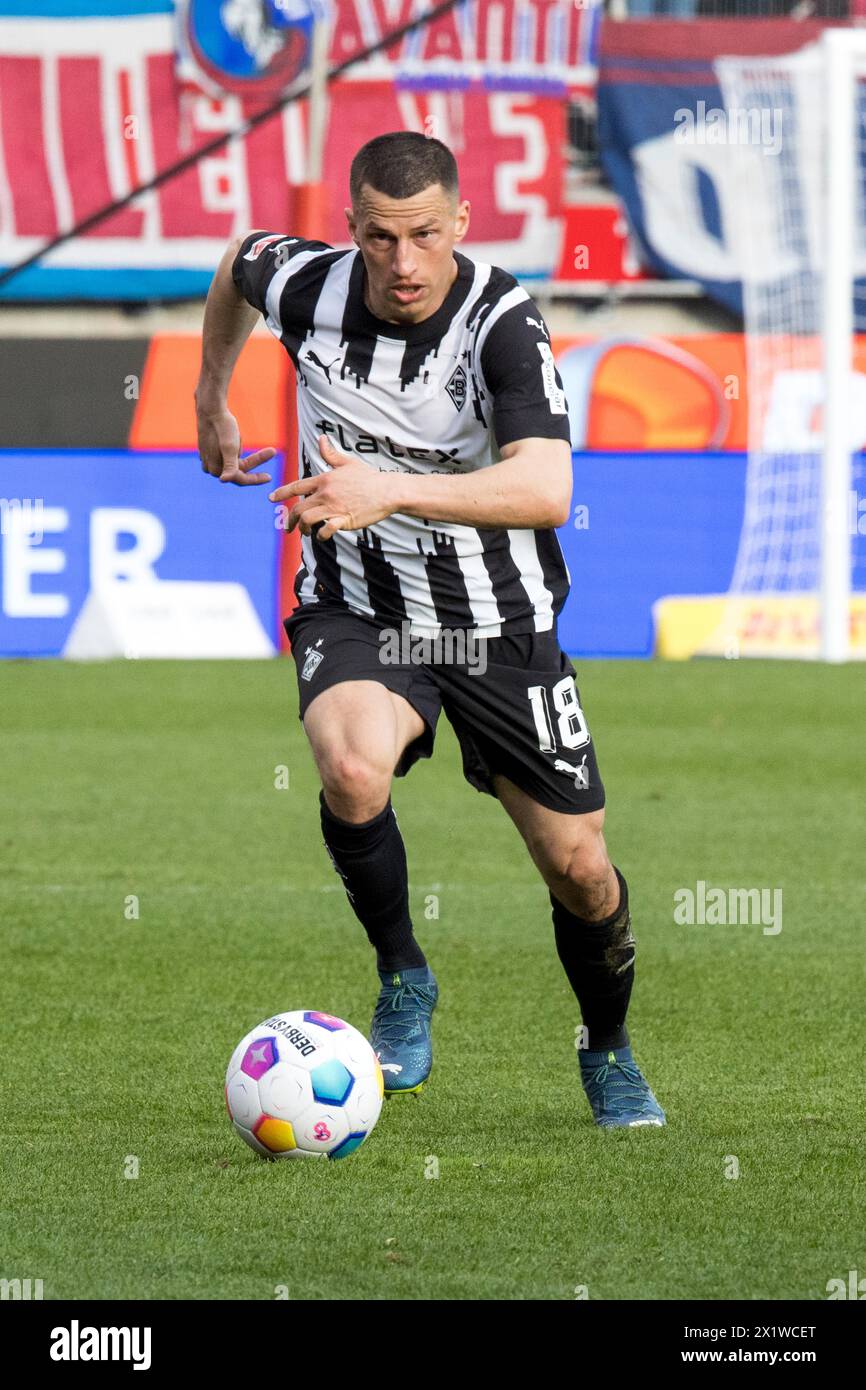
<point>264,242</point>
<point>555,395</point>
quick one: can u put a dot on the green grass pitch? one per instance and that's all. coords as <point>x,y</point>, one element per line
<point>157,780</point>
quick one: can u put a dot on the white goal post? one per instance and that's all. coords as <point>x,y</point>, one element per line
<point>794,203</point>
<point>842,50</point>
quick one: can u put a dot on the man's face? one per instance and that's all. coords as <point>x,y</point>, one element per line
<point>407,245</point>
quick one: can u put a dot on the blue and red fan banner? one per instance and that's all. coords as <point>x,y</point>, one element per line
<point>653,76</point>
<point>97,97</point>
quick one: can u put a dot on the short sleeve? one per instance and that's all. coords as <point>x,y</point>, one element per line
<point>260,256</point>
<point>520,372</point>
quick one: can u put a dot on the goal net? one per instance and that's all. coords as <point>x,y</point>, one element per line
<point>794,203</point>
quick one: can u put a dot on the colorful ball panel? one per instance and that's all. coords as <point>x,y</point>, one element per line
<point>259,1057</point>
<point>348,1146</point>
<point>278,1136</point>
<point>332,1082</point>
<point>328,1021</point>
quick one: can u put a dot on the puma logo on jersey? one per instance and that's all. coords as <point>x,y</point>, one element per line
<point>317,361</point>
<point>536,323</point>
<point>580,774</point>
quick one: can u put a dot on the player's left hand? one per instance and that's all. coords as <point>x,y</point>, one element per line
<point>347,498</point>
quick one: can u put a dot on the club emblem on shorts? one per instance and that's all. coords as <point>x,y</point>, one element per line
<point>312,662</point>
<point>580,774</point>
<point>456,387</point>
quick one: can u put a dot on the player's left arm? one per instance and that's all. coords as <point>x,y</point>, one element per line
<point>530,488</point>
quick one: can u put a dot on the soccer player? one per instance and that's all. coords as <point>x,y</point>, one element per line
<point>435,463</point>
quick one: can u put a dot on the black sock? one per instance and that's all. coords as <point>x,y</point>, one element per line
<point>598,958</point>
<point>371,860</point>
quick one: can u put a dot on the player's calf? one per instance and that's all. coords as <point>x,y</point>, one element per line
<point>596,945</point>
<point>598,958</point>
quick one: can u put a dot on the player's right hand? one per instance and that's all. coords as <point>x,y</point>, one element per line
<point>219,447</point>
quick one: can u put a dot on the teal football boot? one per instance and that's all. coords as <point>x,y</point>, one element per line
<point>400,1032</point>
<point>617,1090</point>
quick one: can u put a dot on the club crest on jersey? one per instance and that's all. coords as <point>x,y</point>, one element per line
<point>456,387</point>
<point>312,662</point>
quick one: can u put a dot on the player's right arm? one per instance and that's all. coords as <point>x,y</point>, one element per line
<point>228,322</point>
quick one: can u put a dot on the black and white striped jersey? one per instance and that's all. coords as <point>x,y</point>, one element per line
<point>439,396</point>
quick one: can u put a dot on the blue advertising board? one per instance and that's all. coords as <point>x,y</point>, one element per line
<point>643,525</point>
<point>69,518</point>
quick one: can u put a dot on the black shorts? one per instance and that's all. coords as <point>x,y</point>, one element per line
<point>512,701</point>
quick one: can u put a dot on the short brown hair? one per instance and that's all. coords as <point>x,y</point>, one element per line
<point>401,164</point>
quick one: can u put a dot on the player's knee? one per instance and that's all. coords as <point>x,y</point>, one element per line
<point>583,867</point>
<point>355,786</point>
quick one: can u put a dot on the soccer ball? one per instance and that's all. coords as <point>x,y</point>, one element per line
<point>304,1085</point>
